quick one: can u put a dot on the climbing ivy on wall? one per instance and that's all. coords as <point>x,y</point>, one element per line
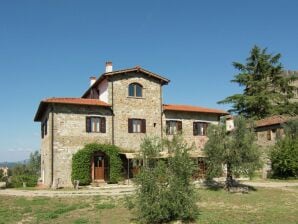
<point>81,163</point>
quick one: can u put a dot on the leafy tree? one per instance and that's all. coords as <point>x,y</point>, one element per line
<point>1,174</point>
<point>236,149</point>
<point>28,172</point>
<point>165,192</point>
<point>34,163</point>
<point>266,92</point>
<point>284,155</point>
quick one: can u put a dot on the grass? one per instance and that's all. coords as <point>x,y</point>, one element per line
<point>216,206</point>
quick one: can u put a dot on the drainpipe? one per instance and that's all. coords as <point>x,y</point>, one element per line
<point>52,146</point>
<point>113,134</point>
<point>161,111</point>
<point>128,172</point>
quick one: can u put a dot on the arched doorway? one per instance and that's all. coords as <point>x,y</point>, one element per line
<point>99,167</point>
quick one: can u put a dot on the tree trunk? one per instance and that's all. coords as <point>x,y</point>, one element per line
<point>229,179</point>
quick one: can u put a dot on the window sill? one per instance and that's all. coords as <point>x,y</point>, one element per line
<point>135,97</point>
<point>136,133</point>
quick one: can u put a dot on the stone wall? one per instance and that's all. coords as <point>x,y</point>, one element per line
<point>70,136</point>
<point>275,131</point>
<point>124,107</point>
<point>46,152</point>
<point>187,119</point>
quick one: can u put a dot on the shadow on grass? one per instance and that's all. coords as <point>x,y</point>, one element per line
<point>237,187</point>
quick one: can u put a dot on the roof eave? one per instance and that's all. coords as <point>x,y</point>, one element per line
<point>164,81</point>
<point>204,112</point>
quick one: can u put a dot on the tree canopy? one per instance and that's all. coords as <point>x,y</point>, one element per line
<point>266,91</point>
<point>284,155</point>
<point>165,192</point>
<point>236,149</point>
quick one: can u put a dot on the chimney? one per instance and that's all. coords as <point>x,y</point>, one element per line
<point>92,80</point>
<point>109,66</point>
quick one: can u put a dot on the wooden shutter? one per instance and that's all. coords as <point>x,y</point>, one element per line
<point>205,128</point>
<point>130,128</point>
<point>167,127</point>
<point>41,130</point>
<point>88,124</point>
<point>103,125</point>
<point>179,126</point>
<point>195,129</point>
<point>46,127</point>
<point>143,125</point>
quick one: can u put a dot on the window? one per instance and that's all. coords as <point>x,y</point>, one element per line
<point>96,124</point>
<point>269,135</point>
<point>136,125</point>
<point>173,127</point>
<point>200,128</point>
<point>44,128</point>
<point>135,90</point>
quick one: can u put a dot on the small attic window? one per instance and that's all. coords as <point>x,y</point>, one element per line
<point>135,90</point>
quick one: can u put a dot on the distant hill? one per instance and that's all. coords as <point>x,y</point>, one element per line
<point>11,164</point>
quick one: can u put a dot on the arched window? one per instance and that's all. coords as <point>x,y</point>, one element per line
<point>135,90</point>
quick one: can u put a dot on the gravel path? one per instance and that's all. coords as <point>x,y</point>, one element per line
<point>287,186</point>
<point>102,191</point>
<point>120,190</point>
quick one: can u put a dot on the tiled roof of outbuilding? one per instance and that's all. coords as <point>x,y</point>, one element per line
<point>273,120</point>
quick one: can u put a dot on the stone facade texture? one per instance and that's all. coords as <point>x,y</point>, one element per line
<point>124,107</point>
<point>188,118</point>
<point>67,124</point>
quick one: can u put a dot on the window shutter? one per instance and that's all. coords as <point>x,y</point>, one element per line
<point>195,129</point>
<point>103,125</point>
<point>179,126</point>
<point>130,129</point>
<point>41,130</point>
<point>167,127</point>
<point>88,124</point>
<point>143,126</point>
<point>205,129</point>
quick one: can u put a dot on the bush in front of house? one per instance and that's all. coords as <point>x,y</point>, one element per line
<point>284,155</point>
<point>21,173</point>
<point>165,191</point>
<point>81,163</point>
<point>26,173</point>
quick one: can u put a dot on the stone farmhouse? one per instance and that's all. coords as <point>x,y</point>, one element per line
<point>120,108</point>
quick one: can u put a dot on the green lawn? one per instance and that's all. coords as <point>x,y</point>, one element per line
<point>261,206</point>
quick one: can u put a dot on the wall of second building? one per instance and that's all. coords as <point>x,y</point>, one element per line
<point>46,150</point>
<point>267,136</point>
<point>124,107</point>
<point>188,118</point>
<point>70,136</point>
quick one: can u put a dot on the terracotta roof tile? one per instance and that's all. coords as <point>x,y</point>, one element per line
<point>188,108</point>
<point>79,101</point>
<point>123,71</point>
<point>75,101</point>
<point>277,119</point>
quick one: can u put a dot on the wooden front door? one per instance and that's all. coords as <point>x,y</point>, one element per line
<point>99,168</point>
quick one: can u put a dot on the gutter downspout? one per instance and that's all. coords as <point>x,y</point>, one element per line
<point>113,115</point>
<point>161,111</point>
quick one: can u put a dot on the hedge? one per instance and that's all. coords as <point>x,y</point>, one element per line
<point>81,163</point>
<point>29,179</point>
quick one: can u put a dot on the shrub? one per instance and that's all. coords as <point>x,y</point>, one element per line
<point>165,192</point>
<point>81,165</point>
<point>23,173</point>
<point>284,155</point>
<point>29,179</point>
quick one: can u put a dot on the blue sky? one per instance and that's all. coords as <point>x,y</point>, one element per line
<point>50,48</point>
